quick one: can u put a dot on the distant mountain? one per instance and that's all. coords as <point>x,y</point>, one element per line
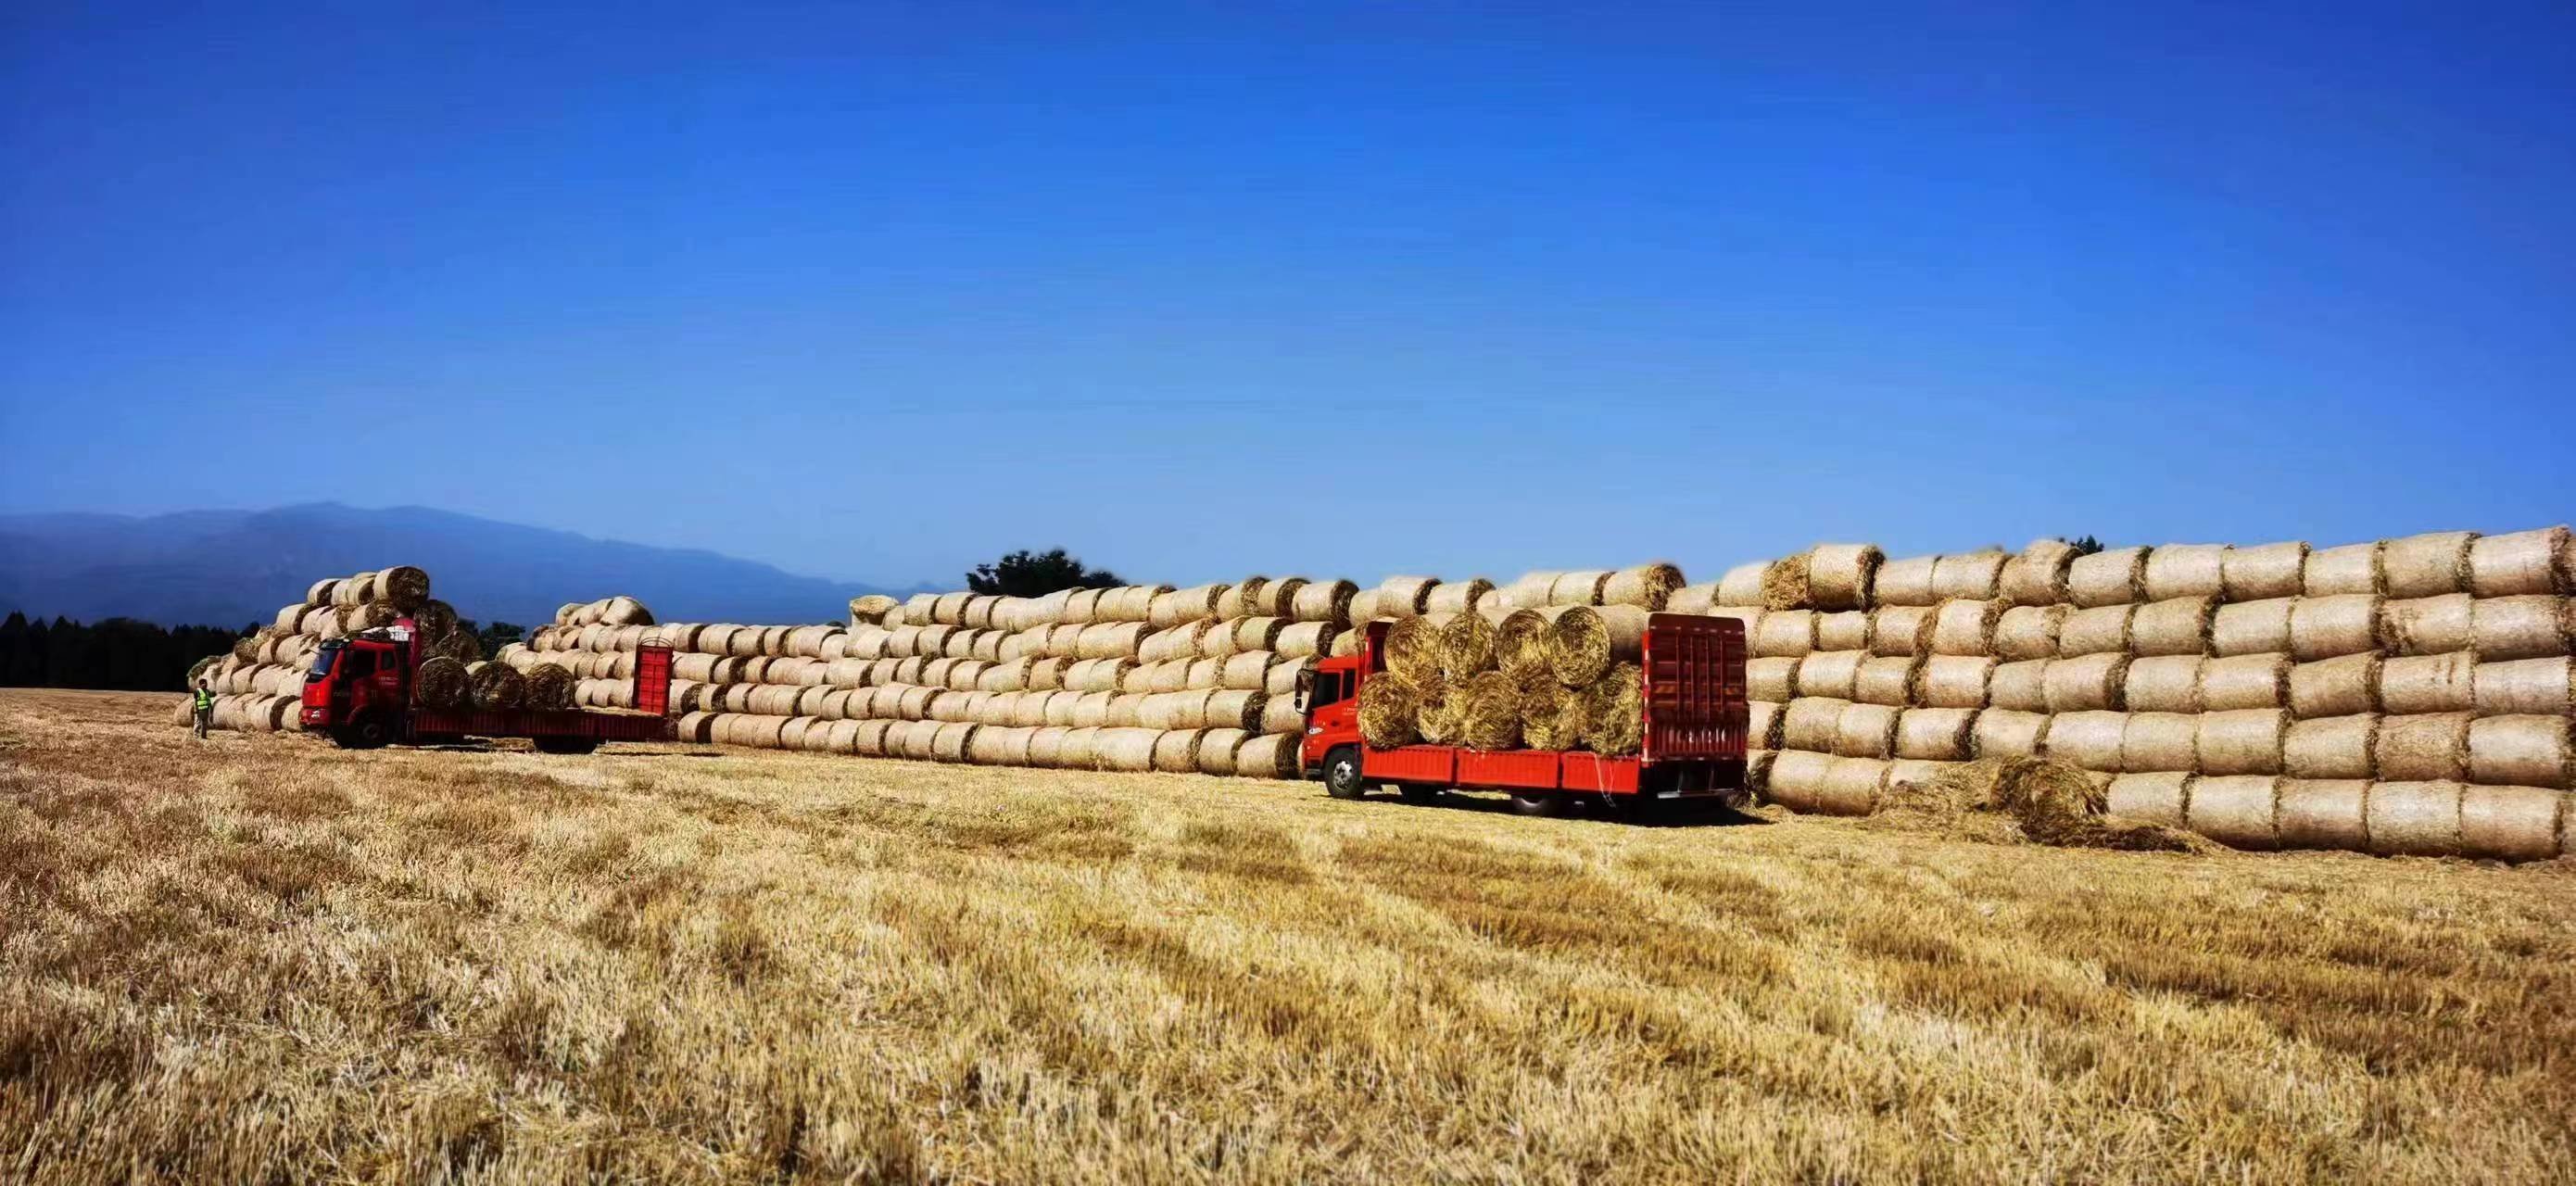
<point>230,567</point>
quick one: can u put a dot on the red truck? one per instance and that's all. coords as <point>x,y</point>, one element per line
<point>360,692</point>
<point>1693,668</point>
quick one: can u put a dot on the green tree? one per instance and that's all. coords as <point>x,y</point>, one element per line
<point>1036,574</point>
<point>2084,545</point>
<point>498,635</point>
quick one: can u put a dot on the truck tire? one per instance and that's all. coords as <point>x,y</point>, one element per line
<point>1342,778</point>
<point>367,732</point>
<point>1544,805</point>
<point>567,745</point>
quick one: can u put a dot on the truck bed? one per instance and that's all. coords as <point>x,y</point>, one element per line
<point>588,724</point>
<point>1533,770</point>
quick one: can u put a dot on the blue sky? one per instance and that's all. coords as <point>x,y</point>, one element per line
<point>874,291</point>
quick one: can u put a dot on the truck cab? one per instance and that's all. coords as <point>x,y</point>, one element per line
<point>360,687</point>
<point>1330,692</point>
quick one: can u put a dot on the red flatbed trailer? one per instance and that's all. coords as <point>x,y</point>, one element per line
<point>360,693</point>
<point>1694,695</point>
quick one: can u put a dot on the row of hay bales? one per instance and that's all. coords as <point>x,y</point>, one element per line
<point>2433,670</point>
<point>270,663</point>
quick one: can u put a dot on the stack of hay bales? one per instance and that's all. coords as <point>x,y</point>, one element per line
<point>2407,695</point>
<point>260,681</point>
<point>1142,677</point>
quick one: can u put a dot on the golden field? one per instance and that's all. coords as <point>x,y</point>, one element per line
<point>257,957</point>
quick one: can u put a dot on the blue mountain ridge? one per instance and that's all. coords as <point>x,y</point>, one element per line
<point>231,567</point>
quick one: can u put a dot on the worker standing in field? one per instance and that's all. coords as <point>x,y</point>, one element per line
<point>205,708</point>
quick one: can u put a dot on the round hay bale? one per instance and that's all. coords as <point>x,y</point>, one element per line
<point>1097,675</point>
<point>998,709</point>
<point>2323,814</point>
<point>762,732</point>
<point>2410,817</point>
<point>2426,565</point>
<point>1839,576</point>
<point>2163,683</point>
<point>2176,627</point>
<point>1905,582</point>
<point>2097,631</point>
<point>1126,711</point>
<point>1847,630</point>
<point>2003,733</point>
<point>1174,710</point>
<point>2422,747</point>
<point>2500,823</point>
<point>404,586</point>
<point>919,740</point>
<point>1457,597</point>
<point>2533,627</point>
<point>1784,584</point>
<point>1762,723</point>
<point>1884,679</point>
<point>836,737</point>
<point>2239,811</point>
<point>1530,589</point>
<point>1216,750</point>
<point>2038,574</point>
<point>1584,643</point>
<point>289,619</point>
<point>1414,650</point>
<point>952,741</point>
<point>1970,576</point>
<point>1964,626</point>
<point>202,669</point>
<point>2088,683</point>
<point>1795,779</point>
<point>1125,749</point>
<point>949,609</point>
<point>2328,626</point>
<point>2429,684</point>
<point>2028,631</point>
<point>2242,681</point>
<point>1280,714</point>
<point>693,728</point>
<point>1783,634</point>
<point>2090,739</point>
<point>1325,602</point>
<point>917,609</point>
<point>1953,681</point>
<point>2243,741</point>
<point>2426,625</point>
<point>1742,585</point>
<point>1767,679</point>
<point>1273,756</point>
<point>1812,723</point>
<point>995,677</point>
<point>1079,749</point>
<point>1037,709</point>
<point>1936,734</point>
<point>1282,677</point>
<point>2116,576</point>
<point>1488,707</point>
<point>1646,586</point>
<point>1257,634</point>
<point>715,639</point>
<point>1194,604</point>
<point>871,609</point>
<point>442,682</point>
<point>2545,686</point>
<point>2160,741</point>
<point>984,611</point>
<point>1829,673</point>
<point>1851,786</point>
<point>2263,572</point>
<point>1409,597</point>
<point>1520,643</point>
<point>1044,674</point>
<point>2021,686</point>
<point>1236,709</point>
<point>1580,587</point>
<point>1157,677</point>
<point>2523,750</point>
<point>495,686</point>
<point>319,592</point>
<point>1692,599</point>
<point>2162,797</point>
<point>991,746</point>
<point>1307,640</point>
<point>354,591</point>
<point>2186,570</point>
<point>2336,687</point>
<point>792,734</point>
<point>2523,562</point>
<point>625,611</point>
<point>829,703</point>
<point>2252,628</point>
<point>246,648</point>
<point>2350,570</point>
<point>1046,747</point>
<point>1090,710</point>
<point>1552,715</point>
<point>547,688</point>
<point>1247,671</point>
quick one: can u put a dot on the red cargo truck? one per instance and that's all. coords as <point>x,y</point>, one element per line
<point>1694,693</point>
<point>360,693</point>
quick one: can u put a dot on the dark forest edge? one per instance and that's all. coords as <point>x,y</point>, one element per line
<point>125,655</point>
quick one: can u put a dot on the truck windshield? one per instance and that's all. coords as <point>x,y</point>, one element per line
<point>322,663</point>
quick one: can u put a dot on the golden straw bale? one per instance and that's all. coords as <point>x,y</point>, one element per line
<point>2177,626</point>
<point>2253,627</point>
<point>1646,586</point>
<point>1742,584</point>
<point>2160,684</point>
<point>2428,565</point>
<point>2415,817</point>
<point>2508,823</point>
<point>2546,686</point>
<point>2429,683</point>
<point>2532,627</point>
<point>1614,711</point>
<point>2350,570</point>
<point>1768,679</point>
<point>1457,597</point>
<point>2087,683</point>
<point>2116,576</point>
<point>2523,562</point>
<point>2523,750</point>
<point>2037,574</point>
<point>2422,747</point>
<point>2241,681</point>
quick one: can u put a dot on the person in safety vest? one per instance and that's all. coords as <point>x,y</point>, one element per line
<point>205,708</point>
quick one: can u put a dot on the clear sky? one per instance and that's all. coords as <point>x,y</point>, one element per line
<point>874,291</point>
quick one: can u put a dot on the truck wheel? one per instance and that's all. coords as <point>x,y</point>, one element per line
<point>1342,774</point>
<point>367,732</point>
<point>567,745</point>
<point>1539,805</point>
<point>1420,793</point>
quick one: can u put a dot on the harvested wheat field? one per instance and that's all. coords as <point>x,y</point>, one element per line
<point>256,957</point>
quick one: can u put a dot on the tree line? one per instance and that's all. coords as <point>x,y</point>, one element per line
<point>125,655</point>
